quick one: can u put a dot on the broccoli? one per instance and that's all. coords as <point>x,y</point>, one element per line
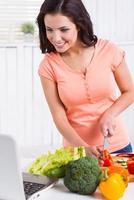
<point>83,175</point>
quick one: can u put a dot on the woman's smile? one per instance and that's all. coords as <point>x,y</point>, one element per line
<point>61,32</point>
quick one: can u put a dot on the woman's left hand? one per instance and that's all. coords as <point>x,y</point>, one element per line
<point>107,125</point>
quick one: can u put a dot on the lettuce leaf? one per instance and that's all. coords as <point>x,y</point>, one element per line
<point>50,163</point>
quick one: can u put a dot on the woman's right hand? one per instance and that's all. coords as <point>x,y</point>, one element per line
<point>94,151</point>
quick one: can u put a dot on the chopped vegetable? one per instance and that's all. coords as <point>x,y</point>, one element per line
<point>130,165</point>
<point>83,175</point>
<point>122,162</point>
<point>107,159</point>
<point>112,187</point>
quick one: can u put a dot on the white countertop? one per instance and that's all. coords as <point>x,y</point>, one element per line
<point>60,192</point>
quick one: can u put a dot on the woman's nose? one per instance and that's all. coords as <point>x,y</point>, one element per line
<point>56,37</point>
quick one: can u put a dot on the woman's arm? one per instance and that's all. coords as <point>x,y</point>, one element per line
<point>58,112</point>
<point>60,118</point>
<point>126,87</point>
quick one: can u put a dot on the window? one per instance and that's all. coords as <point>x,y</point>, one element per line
<point>12,14</point>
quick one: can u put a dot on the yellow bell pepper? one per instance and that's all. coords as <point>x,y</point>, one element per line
<point>120,170</point>
<point>113,187</point>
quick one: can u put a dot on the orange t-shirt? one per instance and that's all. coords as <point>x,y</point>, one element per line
<point>86,98</point>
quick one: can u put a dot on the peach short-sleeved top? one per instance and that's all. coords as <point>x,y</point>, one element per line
<point>87,97</point>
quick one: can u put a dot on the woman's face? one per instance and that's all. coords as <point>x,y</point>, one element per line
<point>61,32</point>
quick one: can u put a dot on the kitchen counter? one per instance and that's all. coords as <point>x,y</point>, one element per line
<point>60,192</point>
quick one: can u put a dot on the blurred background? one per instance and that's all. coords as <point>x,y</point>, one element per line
<point>23,110</point>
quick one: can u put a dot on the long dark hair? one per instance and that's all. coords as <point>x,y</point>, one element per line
<point>75,10</point>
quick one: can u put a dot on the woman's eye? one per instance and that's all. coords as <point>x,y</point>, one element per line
<point>49,30</point>
<point>64,30</point>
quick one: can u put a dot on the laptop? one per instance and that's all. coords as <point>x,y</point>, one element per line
<point>15,185</point>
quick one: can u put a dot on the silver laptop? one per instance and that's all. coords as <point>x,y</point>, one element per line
<point>15,185</point>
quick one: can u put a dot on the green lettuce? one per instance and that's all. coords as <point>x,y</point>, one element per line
<point>53,164</point>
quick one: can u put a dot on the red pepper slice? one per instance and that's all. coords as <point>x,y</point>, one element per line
<point>130,165</point>
<point>107,162</point>
<point>107,159</point>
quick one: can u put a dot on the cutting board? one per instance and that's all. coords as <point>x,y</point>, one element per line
<point>116,158</point>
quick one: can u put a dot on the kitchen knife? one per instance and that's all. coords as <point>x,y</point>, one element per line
<point>105,143</point>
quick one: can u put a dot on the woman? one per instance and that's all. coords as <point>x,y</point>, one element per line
<point>79,74</point>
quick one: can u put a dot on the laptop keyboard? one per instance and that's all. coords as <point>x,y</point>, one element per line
<point>31,188</point>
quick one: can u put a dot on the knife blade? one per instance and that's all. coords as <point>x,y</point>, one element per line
<point>105,143</point>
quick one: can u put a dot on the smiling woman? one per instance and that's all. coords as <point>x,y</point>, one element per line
<point>60,31</point>
<point>79,74</point>
<point>72,11</point>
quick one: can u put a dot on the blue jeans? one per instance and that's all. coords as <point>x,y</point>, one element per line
<point>127,149</point>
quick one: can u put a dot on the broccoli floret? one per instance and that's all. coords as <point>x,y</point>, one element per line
<point>83,175</point>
